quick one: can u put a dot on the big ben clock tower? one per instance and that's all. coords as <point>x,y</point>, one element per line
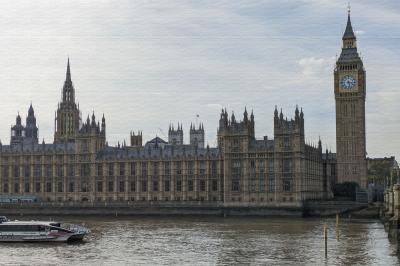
<point>350,93</point>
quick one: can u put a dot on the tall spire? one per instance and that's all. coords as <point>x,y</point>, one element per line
<point>349,45</point>
<point>349,33</point>
<point>68,115</point>
<point>68,89</point>
<point>68,76</point>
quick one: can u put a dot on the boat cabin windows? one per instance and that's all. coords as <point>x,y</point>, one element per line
<point>22,228</point>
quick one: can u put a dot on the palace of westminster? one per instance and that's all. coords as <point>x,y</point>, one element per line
<point>283,171</point>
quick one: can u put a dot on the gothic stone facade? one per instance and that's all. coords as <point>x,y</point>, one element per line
<point>80,166</point>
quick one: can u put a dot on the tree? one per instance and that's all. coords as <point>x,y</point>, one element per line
<point>346,190</point>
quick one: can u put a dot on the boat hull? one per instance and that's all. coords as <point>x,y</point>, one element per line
<point>40,231</point>
<point>41,238</point>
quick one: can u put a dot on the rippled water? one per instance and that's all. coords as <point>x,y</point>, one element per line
<point>210,241</point>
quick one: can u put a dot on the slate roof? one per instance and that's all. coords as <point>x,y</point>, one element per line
<point>157,140</point>
<point>349,33</point>
<point>262,145</point>
<point>156,151</point>
<point>349,54</point>
<point>38,148</point>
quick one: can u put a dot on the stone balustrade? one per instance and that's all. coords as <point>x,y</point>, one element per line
<point>391,209</point>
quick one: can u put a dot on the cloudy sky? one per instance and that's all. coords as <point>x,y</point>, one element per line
<point>146,63</point>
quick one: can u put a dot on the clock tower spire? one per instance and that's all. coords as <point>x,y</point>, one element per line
<point>350,94</point>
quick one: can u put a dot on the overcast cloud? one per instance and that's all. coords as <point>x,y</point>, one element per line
<point>146,63</point>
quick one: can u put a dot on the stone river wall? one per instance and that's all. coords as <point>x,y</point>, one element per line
<point>318,209</point>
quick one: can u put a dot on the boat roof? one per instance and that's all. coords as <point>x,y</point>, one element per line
<point>30,223</point>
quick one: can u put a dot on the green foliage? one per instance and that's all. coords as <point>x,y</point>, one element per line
<point>346,189</point>
<point>380,169</point>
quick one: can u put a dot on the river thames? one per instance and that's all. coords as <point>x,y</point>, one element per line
<point>210,241</point>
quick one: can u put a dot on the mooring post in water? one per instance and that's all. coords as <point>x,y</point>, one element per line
<point>116,213</point>
<point>337,219</point>
<point>337,226</point>
<point>326,239</point>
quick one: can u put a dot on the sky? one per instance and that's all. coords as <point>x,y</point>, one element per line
<point>146,64</point>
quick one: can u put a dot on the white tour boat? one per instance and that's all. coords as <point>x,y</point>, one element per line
<point>37,231</point>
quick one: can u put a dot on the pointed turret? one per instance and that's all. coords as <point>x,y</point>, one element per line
<point>136,140</point>
<point>103,120</point>
<point>301,121</point>
<point>320,145</point>
<point>196,135</point>
<point>349,46</point>
<point>233,118</point>
<point>18,120</point>
<point>226,117</point>
<point>222,122</point>
<point>349,33</point>
<point>252,132</point>
<point>175,136</point>
<point>31,130</point>
<point>17,131</point>
<point>31,112</point>
<point>276,117</point>
<point>93,120</point>
<point>245,118</point>
<point>68,75</point>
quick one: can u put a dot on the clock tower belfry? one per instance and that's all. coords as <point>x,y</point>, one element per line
<point>350,94</point>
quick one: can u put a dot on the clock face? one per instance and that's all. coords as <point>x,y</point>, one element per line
<point>348,82</point>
